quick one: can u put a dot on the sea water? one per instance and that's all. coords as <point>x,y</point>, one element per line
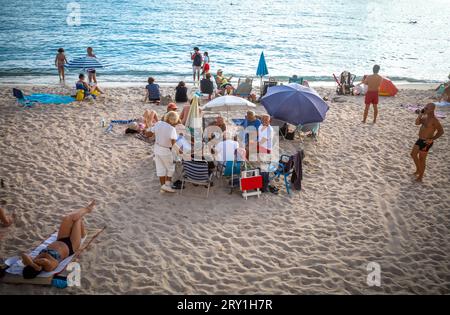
<point>309,38</point>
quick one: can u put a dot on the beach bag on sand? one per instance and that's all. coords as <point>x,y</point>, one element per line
<point>80,95</point>
<point>165,100</point>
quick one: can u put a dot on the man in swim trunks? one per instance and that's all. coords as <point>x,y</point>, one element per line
<point>373,84</point>
<point>430,130</point>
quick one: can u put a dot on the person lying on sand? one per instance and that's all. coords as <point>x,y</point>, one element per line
<point>430,130</point>
<point>70,234</point>
<point>5,220</point>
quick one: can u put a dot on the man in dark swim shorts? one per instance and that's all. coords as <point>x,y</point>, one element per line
<point>430,130</point>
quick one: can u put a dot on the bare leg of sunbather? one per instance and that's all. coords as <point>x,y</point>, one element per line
<point>72,226</point>
<point>150,118</point>
<point>5,220</point>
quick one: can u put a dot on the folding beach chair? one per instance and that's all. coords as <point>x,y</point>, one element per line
<point>345,84</point>
<point>231,171</point>
<point>312,128</point>
<point>21,99</point>
<point>296,79</point>
<point>244,88</point>
<point>197,173</point>
<point>267,84</point>
<point>285,169</point>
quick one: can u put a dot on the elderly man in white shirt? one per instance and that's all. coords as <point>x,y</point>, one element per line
<point>225,150</point>
<point>265,135</point>
<point>165,138</point>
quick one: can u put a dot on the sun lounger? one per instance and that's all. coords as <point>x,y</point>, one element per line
<point>14,272</point>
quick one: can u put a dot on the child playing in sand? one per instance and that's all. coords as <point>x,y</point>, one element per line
<point>5,220</point>
<point>60,61</point>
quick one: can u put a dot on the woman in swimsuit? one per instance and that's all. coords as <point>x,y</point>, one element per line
<point>70,234</point>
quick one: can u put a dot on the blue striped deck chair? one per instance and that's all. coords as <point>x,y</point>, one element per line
<point>21,99</point>
<point>196,172</point>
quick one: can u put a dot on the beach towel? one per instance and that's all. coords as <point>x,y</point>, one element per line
<point>50,99</point>
<point>414,108</point>
<point>144,138</point>
<point>443,103</point>
<point>123,122</point>
<point>14,272</point>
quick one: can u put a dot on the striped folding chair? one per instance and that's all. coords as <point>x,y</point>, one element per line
<point>196,172</point>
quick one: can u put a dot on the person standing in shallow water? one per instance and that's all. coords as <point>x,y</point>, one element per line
<point>60,61</point>
<point>373,85</point>
<point>430,130</point>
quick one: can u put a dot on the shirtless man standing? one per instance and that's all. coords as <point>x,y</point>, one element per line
<point>373,84</point>
<point>430,130</point>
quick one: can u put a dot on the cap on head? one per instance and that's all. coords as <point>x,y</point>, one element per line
<point>196,49</point>
<point>172,107</point>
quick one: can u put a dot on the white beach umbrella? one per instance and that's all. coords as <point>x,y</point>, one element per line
<point>228,103</point>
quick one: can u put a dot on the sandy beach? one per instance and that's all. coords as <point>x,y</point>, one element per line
<point>359,204</point>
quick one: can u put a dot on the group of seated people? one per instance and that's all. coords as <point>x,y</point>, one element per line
<point>85,90</point>
<point>218,86</point>
<point>443,91</point>
<point>170,138</point>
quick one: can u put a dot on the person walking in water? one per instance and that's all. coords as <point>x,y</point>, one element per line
<point>430,130</point>
<point>60,61</point>
<point>373,83</point>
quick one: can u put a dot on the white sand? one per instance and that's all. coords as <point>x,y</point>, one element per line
<point>359,205</point>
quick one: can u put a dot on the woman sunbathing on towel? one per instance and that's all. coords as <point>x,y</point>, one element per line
<point>70,234</point>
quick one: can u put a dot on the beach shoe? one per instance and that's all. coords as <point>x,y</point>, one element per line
<point>177,185</point>
<point>167,188</point>
<point>273,190</point>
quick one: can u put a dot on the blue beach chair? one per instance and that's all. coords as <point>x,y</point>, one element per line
<point>285,169</point>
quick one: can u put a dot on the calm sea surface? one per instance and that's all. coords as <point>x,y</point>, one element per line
<point>409,39</point>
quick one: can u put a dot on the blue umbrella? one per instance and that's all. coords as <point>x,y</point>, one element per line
<point>262,66</point>
<point>295,104</point>
<point>85,63</point>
